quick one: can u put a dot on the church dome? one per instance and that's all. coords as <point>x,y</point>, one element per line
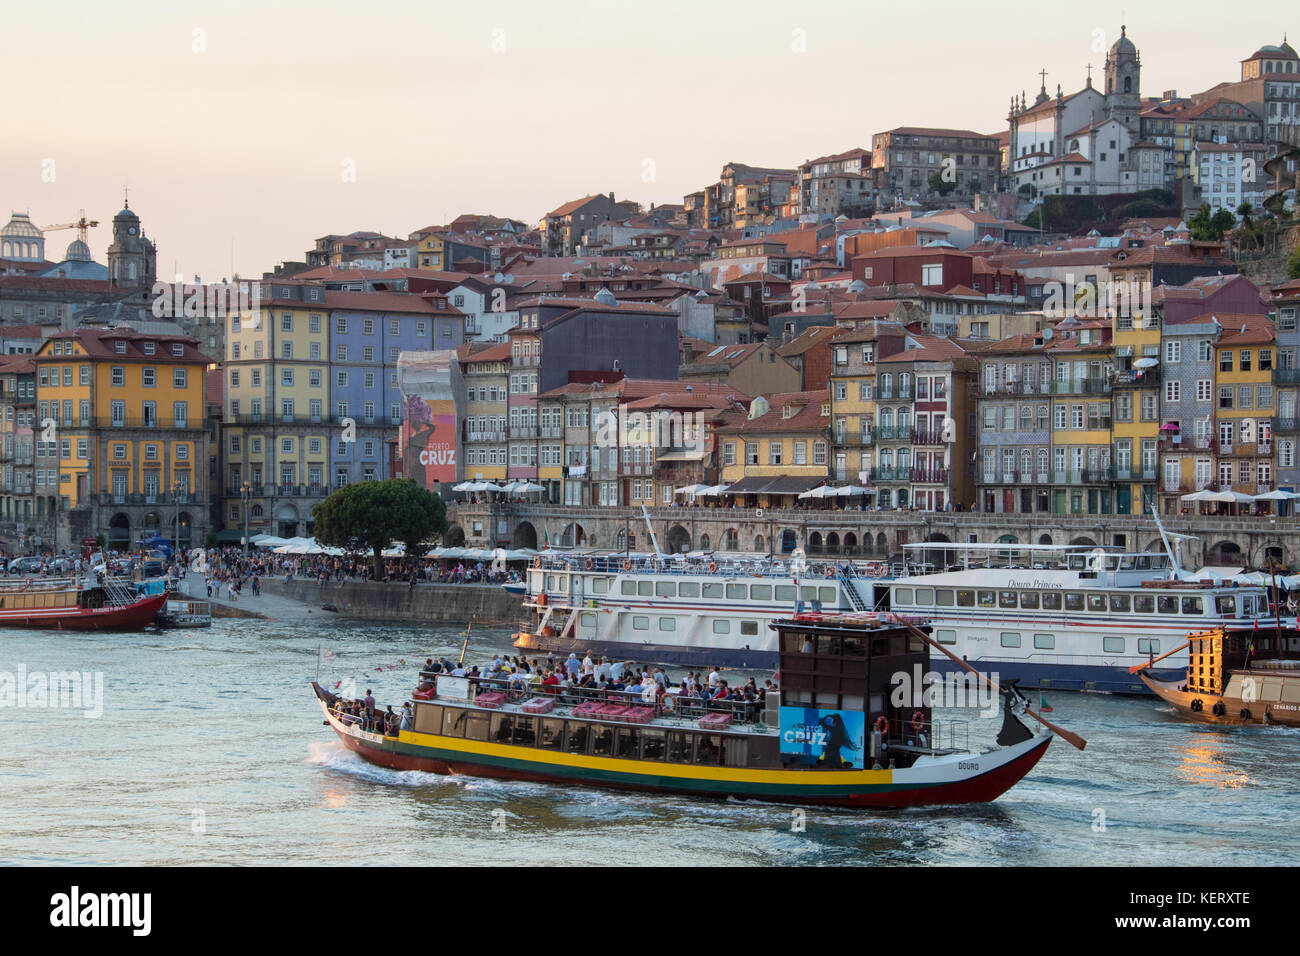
<point>126,213</point>
<point>78,251</point>
<point>20,226</point>
<point>1123,46</point>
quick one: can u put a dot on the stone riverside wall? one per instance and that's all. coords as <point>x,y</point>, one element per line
<point>437,603</point>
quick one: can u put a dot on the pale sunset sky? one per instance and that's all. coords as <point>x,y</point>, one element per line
<point>233,122</point>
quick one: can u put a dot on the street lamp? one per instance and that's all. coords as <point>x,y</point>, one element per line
<point>178,489</point>
<point>245,496</point>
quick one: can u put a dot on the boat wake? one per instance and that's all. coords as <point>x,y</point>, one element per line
<point>335,756</point>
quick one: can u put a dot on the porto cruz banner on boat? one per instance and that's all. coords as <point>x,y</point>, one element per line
<point>834,738</point>
<point>430,436</point>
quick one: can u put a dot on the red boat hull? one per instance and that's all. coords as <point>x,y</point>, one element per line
<point>127,617</point>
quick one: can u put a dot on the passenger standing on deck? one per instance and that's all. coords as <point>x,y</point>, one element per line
<point>714,679</point>
<point>588,666</point>
<point>572,665</point>
<point>370,710</point>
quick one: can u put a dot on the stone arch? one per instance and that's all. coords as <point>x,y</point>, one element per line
<point>119,532</point>
<point>759,544</point>
<point>1044,538</point>
<point>704,542</point>
<point>1275,552</point>
<point>1084,541</point>
<point>184,530</point>
<point>789,540</point>
<point>850,542</point>
<point>572,536</point>
<point>453,537</point>
<point>731,540</point>
<point>1225,554</point>
<point>286,519</point>
<point>815,542</point>
<point>832,543</point>
<point>679,540</point>
<point>525,536</point>
<point>1155,545</point>
<point>882,543</point>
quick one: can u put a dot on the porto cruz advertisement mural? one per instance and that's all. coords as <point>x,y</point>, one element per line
<point>430,437</point>
<point>832,738</point>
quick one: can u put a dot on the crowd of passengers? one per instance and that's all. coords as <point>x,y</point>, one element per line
<point>588,677</point>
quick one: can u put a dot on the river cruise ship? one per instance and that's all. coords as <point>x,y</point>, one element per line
<point>1070,618</point>
<point>835,734</point>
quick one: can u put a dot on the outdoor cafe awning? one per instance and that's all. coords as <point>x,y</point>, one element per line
<point>774,485</point>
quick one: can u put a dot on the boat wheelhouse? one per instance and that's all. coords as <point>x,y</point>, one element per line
<point>835,735</point>
<point>1065,617</point>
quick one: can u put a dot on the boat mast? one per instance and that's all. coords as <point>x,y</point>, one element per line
<point>654,542</point>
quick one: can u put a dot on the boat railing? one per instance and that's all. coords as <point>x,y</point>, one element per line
<point>726,567</point>
<point>946,736</point>
<point>518,691</point>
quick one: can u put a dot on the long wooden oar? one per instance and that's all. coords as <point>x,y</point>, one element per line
<point>1067,735</point>
<point>465,644</point>
<point>1141,667</point>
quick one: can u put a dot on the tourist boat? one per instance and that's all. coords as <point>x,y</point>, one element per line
<point>1070,618</point>
<point>1237,675</point>
<point>836,734</point>
<point>66,604</point>
<point>183,611</point>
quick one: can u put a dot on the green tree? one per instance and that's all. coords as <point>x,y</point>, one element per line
<point>1209,226</point>
<point>371,515</point>
<point>940,185</point>
<point>1293,264</point>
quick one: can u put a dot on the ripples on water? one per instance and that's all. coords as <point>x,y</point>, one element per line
<point>211,749</point>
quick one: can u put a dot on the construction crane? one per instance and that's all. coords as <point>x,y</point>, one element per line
<point>81,225</point>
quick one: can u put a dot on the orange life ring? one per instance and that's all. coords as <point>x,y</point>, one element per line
<point>882,725</point>
<point>713,567</point>
<point>918,720</point>
<point>830,571</point>
<point>589,564</point>
<point>28,585</point>
<point>537,561</point>
<point>627,565</point>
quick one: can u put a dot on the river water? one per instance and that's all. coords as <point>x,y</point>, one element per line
<point>211,749</point>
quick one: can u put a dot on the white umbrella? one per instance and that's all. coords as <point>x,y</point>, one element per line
<point>715,490</point>
<point>1230,497</point>
<point>527,487</point>
<point>821,491</point>
<point>463,486</point>
<point>1146,363</point>
<point>1202,495</point>
<point>853,490</point>
<point>691,490</point>
<point>1277,496</point>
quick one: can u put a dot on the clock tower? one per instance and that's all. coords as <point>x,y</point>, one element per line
<point>132,259</point>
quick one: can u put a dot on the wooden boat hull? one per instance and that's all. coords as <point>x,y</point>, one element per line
<point>956,779</point>
<point>1255,712</point>
<point>133,616</point>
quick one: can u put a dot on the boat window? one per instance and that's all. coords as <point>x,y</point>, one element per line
<point>1192,605</point>
<point>1007,599</point>
<point>1144,603</point>
<point>1075,562</point>
<point>807,594</point>
<point>1291,692</point>
<point>550,582</point>
<point>688,589</point>
<point>1270,690</point>
<point>1251,605</point>
<point>552,734</point>
<point>503,726</point>
<point>679,747</point>
<point>1045,642</point>
<point>1073,601</point>
<point>785,593</point>
<point>602,741</point>
<point>945,636</point>
<point>737,592</point>
<point>428,719</point>
<point>652,745</point>
<point>1159,561</point>
<point>965,598</point>
<point>600,585</point>
<point>575,740</point>
<point>1029,600</point>
<point>645,588</point>
<point>627,744</point>
<point>827,596</point>
<point>525,731</point>
<point>629,587</point>
<point>640,623</point>
<point>476,725</point>
<point>721,625</point>
<point>1051,600</point>
<point>587,619</point>
<point>1010,638</point>
<point>903,596</point>
<point>1121,603</point>
<point>708,749</point>
<point>1112,645</point>
<point>760,592</point>
<point>828,644</point>
<point>1167,604</point>
<point>735,751</point>
<point>1148,645</point>
<point>453,725</point>
<point>1097,603</point>
<point>1127,564</point>
<point>1143,562</point>
<point>748,628</point>
<point>1225,605</point>
<point>667,624</point>
<point>713,591</point>
<point>853,645</point>
<point>985,598</point>
<point>1234,686</point>
<point>665,589</point>
<point>943,597</point>
<point>925,597</point>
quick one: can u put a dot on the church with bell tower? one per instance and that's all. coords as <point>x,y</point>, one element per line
<point>1123,83</point>
<point>132,258</point>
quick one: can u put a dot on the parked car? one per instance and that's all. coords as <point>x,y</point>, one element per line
<point>28,565</point>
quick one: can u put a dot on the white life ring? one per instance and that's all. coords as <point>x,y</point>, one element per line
<point>670,703</point>
<point>649,693</point>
